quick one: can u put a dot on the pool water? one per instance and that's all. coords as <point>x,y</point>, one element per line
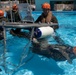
<point>35,64</point>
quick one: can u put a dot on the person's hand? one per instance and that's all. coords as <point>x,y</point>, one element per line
<point>35,41</point>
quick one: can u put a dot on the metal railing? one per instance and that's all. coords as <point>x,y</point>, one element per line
<point>23,56</point>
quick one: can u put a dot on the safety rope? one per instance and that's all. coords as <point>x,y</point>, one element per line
<point>27,45</point>
<point>23,56</point>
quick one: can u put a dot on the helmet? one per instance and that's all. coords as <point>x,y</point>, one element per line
<point>46,6</point>
<point>1,13</point>
<point>14,7</point>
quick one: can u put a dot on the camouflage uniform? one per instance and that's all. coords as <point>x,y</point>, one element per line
<point>44,19</point>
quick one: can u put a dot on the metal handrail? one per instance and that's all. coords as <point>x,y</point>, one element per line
<point>25,25</point>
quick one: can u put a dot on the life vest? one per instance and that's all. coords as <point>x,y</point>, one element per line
<point>46,19</point>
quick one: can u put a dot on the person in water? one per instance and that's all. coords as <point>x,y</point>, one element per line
<point>56,51</point>
<point>2,18</point>
<point>47,16</point>
<point>41,46</point>
<point>15,17</point>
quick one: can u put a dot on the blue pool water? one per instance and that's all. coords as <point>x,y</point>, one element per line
<point>36,64</point>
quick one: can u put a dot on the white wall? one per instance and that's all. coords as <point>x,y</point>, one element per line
<point>39,3</point>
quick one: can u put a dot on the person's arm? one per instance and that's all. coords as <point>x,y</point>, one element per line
<point>35,41</point>
<point>56,36</point>
<point>54,20</point>
<point>58,39</point>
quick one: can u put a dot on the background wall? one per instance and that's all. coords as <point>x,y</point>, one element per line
<point>53,3</point>
<point>39,3</point>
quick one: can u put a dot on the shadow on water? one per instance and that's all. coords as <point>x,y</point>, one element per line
<point>43,66</point>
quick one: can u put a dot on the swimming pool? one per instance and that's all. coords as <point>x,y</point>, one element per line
<point>36,64</point>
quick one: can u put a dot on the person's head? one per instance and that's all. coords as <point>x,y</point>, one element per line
<point>1,13</point>
<point>7,8</point>
<point>46,8</point>
<point>14,7</point>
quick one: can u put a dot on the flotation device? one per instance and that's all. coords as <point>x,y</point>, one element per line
<point>43,32</point>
